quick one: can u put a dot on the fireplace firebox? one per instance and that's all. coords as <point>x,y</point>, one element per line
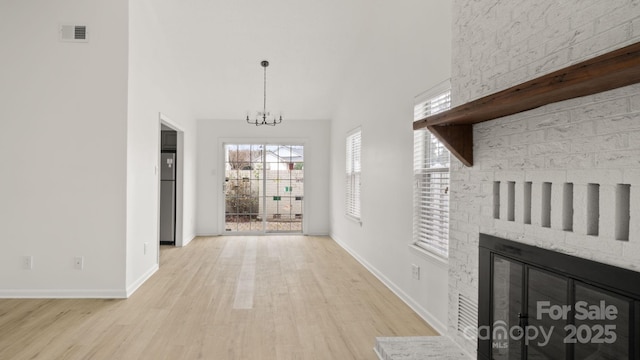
<point>541,304</point>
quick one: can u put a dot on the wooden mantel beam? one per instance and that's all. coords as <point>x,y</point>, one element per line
<point>605,72</point>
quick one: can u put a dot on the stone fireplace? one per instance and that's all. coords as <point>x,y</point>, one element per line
<point>563,177</point>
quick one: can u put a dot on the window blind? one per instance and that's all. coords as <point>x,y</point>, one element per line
<point>433,105</point>
<point>431,176</point>
<point>353,174</point>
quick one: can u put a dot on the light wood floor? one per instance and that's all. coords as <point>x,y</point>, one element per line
<point>271,297</point>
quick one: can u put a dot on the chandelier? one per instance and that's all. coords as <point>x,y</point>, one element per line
<point>264,117</point>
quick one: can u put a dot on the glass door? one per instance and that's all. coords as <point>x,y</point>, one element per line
<point>602,328</point>
<point>538,314</point>
<point>507,308</point>
<point>243,187</point>
<point>264,188</point>
<point>540,304</point>
<point>547,297</point>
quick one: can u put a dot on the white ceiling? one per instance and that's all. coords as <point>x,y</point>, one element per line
<point>218,46</point>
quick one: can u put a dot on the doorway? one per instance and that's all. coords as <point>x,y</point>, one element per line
<point>170,176</point>
<point>168,163</point>
<point>263,188</point>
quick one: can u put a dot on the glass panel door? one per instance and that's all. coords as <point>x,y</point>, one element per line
<point>507,308</point>
<point>601,324</point>
<point>284,188</point>
<point>243,187</point>
<point>548,306</point>
<point>264,188</point>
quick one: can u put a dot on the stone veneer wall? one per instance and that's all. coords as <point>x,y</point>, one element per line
<point>594,139</point>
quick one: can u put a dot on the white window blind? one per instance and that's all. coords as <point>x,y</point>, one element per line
<point>431,176</point>
<point>433,105</point>
<point>353,174</point>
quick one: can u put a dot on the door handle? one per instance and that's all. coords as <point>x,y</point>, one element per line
<point>522,322</point>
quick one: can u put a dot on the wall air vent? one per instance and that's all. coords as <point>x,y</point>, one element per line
<point>467,317</point>
<point>74,33</point>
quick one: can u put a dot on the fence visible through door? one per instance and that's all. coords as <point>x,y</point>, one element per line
<point>264,188</point>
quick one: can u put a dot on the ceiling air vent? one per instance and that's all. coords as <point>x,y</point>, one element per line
<point>74,33</point>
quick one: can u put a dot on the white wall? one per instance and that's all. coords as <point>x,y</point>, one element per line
<point>212,134</point>
<point>592,139</point>
<point>407,50</point>
<point>63,110</point>
<point>154,87</point>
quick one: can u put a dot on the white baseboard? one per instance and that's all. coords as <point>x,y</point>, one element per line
<point>208,234</point>
<point>377,353</point>
<point>136,284</point>
<point>63,294</point>
<point>185,243</point>
<point>422,312</point>
<point>267,234</point>
<point>77,293</point>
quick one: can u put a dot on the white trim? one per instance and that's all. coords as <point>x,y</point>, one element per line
<point>354,219</point>
<point>191,237</point>
<point>433,91</point>
<point>422,312</point>
<point>63,294</point>
<point>355,130</point>
<point>432,257</point>
<point>375,350</point>
<point>268,234</point>
<point>141,280</point>
<point>165,119</point>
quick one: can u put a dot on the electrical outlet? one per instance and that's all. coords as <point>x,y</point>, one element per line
<point>415,271</point>
<point>27,262</point>
<point>78,262</point>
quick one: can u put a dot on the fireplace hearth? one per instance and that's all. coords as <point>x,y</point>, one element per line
<point>536,303</point>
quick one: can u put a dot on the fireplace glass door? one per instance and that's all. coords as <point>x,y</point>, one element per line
<point>507,308</point>
<point>534,304</point>
<point>601,325</point>
<point>558,318</point>
<point>519,330</point>
<point>545,291</point>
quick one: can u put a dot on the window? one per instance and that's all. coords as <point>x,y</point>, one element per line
<point>431,176</point>
<point>353,174</point>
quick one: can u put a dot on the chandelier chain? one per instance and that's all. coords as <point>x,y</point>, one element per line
<point>258,122</point>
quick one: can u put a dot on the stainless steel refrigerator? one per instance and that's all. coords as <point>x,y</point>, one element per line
<point>168,198</point>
